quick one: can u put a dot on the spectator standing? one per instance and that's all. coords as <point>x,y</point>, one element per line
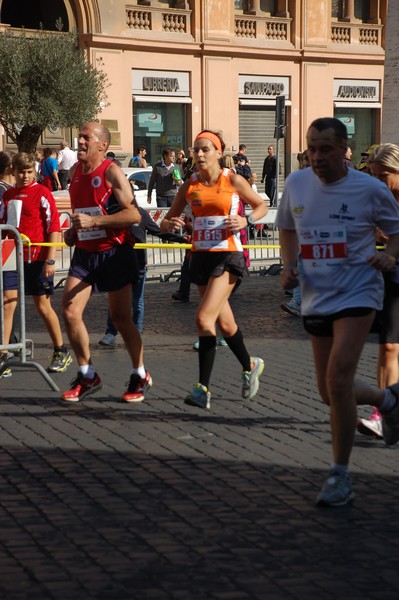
<point>30,207</point>
<point>333,213</point>
<point>189,164</point>
<point>183,293</point>
<point>347,159</point>
<point>38,165</point>
<point>181,159</point>
<point>241,155</point>
<point>139,159</point>
<point>66,159</point>
<point>49,170</point>
<point>163,179</point>
<point>112,156</point>
<point>6,172</point>
<point>293,307</point>
<point>103,260</point>
<point>269,175</point>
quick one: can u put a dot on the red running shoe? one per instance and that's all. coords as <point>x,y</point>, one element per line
<point>137,388</point>
<point>82,387</point>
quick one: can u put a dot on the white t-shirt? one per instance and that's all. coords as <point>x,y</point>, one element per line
<point>66,159</point>
<point>335,224</point>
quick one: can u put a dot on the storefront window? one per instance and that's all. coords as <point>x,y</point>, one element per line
<point>360,123</point>
<point>159,124</point>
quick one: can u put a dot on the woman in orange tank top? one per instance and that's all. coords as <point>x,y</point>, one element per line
<point>212,195</point>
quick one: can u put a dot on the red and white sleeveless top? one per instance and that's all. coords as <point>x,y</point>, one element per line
<point>209,207</point>
<point>89,194</point>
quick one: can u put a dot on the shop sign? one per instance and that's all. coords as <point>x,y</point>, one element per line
<point>356,90</point>
<point>258,86</point>
<point>160,83</point>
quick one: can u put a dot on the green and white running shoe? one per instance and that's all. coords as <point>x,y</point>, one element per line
<point>250,379</point>
<point>337,491</point>
<point>200,396</point>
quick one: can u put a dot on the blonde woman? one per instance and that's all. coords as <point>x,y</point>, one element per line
<point>384,165</point>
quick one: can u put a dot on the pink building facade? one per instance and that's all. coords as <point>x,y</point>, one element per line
<point>179,66</point>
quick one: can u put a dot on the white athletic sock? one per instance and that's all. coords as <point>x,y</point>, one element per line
<point>388,401</point>
<point>87,371</point>
<point>140,371</point>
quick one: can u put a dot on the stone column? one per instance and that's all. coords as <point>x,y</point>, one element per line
<point>254,8</point>
<point>349,11</point>
<point>390,116</point>
<point>282,9</point>
<point>374,16</point>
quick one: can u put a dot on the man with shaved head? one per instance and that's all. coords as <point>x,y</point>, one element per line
<point>104,260</point>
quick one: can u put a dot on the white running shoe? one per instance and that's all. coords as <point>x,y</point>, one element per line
<point>250,379</point>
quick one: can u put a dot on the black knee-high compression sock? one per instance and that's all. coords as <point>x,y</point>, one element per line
<point>206,351</point>
<point>237,346</point>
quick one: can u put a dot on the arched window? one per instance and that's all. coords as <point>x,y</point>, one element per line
<point>35,14</point>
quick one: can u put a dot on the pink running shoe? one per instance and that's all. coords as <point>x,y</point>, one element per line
<point>372,427</point>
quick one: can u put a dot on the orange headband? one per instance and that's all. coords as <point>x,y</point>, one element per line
<point>212,137</point>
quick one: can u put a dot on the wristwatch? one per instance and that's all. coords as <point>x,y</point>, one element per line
<point>50,261</point>
<point>250,220</point>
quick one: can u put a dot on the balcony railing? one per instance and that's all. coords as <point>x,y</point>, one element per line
<point>356,33</point>
<point>272,29</point>
<point>168,20</point>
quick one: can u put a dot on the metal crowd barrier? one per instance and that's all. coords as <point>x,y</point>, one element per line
<point>8,263</point>
<point>263,242</point>
<point>165,260</point>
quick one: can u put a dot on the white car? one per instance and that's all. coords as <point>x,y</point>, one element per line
<point>139,179</point>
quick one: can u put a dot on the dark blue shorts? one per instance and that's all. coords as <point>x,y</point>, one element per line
<point>322,325</point>
<point>106,271</point>
<point>36,284</point>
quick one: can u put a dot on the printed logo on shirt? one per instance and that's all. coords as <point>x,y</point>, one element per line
<point>96,181</point>
<point>343,213</point>
<point>298,210</point>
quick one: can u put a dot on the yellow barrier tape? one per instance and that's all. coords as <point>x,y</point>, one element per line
<point>142,246</point>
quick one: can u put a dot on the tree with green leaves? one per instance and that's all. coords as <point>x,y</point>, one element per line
<point>46,81</point>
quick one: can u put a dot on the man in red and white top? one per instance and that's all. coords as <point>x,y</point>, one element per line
<point>30,207</point>
<point>104,259</point>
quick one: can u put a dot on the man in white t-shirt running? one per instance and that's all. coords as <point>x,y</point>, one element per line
<point>333,212</point>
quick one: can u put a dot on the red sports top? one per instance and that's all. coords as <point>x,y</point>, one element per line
<point>89,193</point>
<point>209,208</point>
<point>38,216</point>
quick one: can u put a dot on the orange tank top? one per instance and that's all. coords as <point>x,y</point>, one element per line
<point>209,207</point>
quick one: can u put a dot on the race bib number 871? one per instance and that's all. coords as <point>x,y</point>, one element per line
<point>326,246</point>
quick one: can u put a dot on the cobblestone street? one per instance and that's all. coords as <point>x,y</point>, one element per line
<point>161,501</point>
